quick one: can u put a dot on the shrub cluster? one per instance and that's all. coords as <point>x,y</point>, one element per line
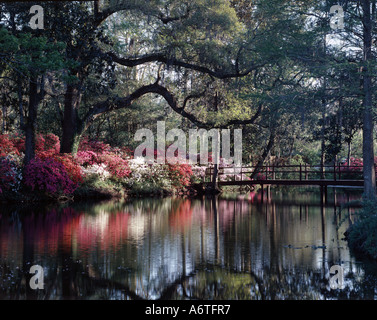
<point>104,158</point>
<point>49,176</point>
<point>50,172</point>
<point>354,170</point>
<point>96,165</point>
<point>161,178</point>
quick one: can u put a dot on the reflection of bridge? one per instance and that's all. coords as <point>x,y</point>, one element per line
<point>334,201</point>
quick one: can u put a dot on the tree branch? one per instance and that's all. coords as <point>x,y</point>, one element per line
<point>120,103</point>
<point>160,57</point>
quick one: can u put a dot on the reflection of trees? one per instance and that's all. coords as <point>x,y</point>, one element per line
<point>207,248</point>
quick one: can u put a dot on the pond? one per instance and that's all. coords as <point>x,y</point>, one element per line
<point>233,246</point>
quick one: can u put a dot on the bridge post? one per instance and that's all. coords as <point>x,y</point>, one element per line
<point>334,171</point>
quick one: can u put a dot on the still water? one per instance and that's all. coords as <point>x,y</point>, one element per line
<point>228,247</point>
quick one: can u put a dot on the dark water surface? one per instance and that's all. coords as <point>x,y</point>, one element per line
<point>230,247</point>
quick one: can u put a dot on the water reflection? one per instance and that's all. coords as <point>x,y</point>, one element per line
<point>232,247</point>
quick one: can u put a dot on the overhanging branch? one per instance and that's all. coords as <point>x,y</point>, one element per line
<point>160,57</point>
<point>155,88</point>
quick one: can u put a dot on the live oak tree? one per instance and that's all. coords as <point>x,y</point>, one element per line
<point>210,41</point>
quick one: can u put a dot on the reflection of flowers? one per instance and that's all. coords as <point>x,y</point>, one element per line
<point>181,216</point>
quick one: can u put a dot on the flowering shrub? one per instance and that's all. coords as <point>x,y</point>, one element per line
<point>48,176</point>
<point>87,158</point>
<point>159,176</point>
<point>179,174</point>
<point>353,171</point>
<point>47,145</point>
<point>10,175</point>
<point>18,142</point>
<point>260,176</point>
<point>198,173</point>
<point>95,146</point>
<point>71,166</point>
<point>7,146</point>
<point>98,153</point>
<point>99,170</point>
<point>117,166</point>
<point>141,172</point>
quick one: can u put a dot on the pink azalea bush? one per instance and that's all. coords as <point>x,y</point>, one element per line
<point>179,174</point>
<point>87,158</point>
<point>354,170</point>
<point>117,166</point>
<point>47,145</point>
<point>49,176</point>
<point>260,176</point>
<point>96,153</point>
<point>7,146</point>
<point>57,174</point>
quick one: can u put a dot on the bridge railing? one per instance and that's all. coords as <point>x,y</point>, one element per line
<point>288,172</point>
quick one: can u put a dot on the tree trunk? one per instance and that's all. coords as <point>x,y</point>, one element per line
<point>368,152</point>
<point>264,154</point>
<point>214,175</point>
<point>323,102</point>
<point>31,121</point>
<point>20,104</point>
<point>71,121</point>
<point>349,154</point>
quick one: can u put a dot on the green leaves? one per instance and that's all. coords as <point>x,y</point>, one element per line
<point>8,43</point>
<point>29,54</point>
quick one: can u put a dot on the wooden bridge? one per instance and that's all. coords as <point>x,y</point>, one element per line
<point>294,175</point>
